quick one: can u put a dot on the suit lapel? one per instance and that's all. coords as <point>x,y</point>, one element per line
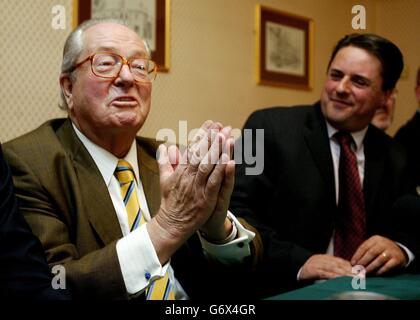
<point>374,167</point>
<point>98,203</point>
<point>317,141</point>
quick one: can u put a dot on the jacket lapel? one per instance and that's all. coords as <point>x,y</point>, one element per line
<point>95,196</point>
<point>317,141</point>
<point>374,167</point>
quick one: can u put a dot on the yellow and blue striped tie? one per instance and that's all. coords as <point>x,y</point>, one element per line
<point>161,288</point>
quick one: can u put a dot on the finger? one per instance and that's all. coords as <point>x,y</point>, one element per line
<point>207,124</point>
<point>368,258</point>
<point>389,265</point>
<point>210,160</point>
<point>198,151</point>
<point>228,183</point>
<point>165,167</point>
<point>347,272</point>
<point>174,156</point>
<point>331,270</point>
<point>217,126</point>
<point>360,252</point>
<point>378,262</point>
<point>215,179</point>
<point>231,148</point>
<point>228,147</point>
<point>325,275</point>
<point>369,250</point>
<point>226,131</point>
<point>201,133</point>
<point>226,188</point>
<point>342,268</point>
<point>214,129</point>
<point>229,180</point>
<point>218,147</point>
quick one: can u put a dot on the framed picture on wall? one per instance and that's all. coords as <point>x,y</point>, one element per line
<point>284,49</point>
<point>149,18</point>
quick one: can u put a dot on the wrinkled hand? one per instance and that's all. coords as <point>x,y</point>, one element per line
<point>218,227</point>
<point>190,189</point>
<point>379,255</point>
<point>324,266</point>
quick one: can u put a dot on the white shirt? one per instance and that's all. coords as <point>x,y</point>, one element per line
<point>139,262</point>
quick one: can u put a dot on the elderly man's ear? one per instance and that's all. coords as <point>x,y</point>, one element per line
<point>67,89</point>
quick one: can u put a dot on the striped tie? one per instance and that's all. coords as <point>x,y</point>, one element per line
<point>161,288</point>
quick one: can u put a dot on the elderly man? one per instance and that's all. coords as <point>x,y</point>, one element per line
<point>330,178</point>
<point>99,202</point>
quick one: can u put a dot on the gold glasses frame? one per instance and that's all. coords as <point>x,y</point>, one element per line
<point>124,61</point>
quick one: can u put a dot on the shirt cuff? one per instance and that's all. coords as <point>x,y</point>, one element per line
<point>139,262</point>
<point>233,251</point>
<point>298,274</point>
<point>410,255</point>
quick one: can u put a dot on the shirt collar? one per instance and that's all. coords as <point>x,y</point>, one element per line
<point>106,161</point>
<point>358,136</point>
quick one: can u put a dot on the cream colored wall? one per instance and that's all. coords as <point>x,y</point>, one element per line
<point>221,34</point>
<point>400,22</point>
<point>212,73</point>
<point>30,55</point>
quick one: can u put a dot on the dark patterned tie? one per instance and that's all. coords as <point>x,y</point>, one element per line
<point>350,229</point>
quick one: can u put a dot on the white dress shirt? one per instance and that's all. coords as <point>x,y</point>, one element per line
<point>139,262</point>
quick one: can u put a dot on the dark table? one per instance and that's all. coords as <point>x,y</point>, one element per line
<point>404,287</point>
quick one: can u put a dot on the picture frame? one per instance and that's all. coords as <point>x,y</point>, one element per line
<point>149,18</point>
<point>284,49</point>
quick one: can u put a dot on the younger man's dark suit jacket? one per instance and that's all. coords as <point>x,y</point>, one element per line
<point>68,206</point>
<point>292,203</point>
<point>409,136</point>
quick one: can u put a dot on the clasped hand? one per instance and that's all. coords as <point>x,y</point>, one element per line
<point>195,189</point>
<point>377,255</point>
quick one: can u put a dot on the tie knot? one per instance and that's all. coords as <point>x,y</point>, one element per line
<point>124,172</point>
<point>343,138</point>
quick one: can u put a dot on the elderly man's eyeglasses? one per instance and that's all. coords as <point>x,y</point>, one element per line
<point>108,65</point>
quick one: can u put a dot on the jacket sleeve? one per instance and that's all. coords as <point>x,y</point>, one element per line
<point>24,272</point>
<point>50,212</point>
<point>252,198</point>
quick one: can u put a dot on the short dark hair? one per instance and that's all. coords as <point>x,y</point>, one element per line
<point>387,53</point>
